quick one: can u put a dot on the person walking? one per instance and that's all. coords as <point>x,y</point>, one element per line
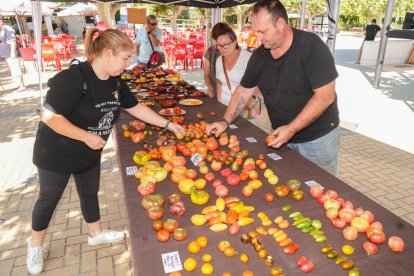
<point>76,120</point>
<point>64,26</point>
<point>370,34</point>
<point>295,73</point>
<point>148,34</point>
<point>8,50</point>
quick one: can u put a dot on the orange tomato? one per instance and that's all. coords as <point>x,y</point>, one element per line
<point>176,273</point>
<point>229,251</point>
<point>202,241</point>
<point>193,247</point>
<point>253,175</point>
<point>247,273</point>
<point>206,258</point>
<point>223,245</point>
<point>226,274</point>
<point>244,258</point>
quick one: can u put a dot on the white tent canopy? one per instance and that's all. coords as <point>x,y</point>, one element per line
<point>79,9</point>
<point>24,8</point>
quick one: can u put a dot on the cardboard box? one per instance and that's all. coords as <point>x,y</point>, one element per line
<point>137,16</point>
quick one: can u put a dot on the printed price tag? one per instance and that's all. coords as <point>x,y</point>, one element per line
<point>233,126</point>
<point>251,140</point>
<point>171,262</point>
<point>312,183</point>
<point>196,158</point>
<point>131,170</point>
<point>274,156</point>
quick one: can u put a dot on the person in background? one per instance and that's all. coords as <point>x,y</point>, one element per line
<point>55,27</point>
<point>64,26</point>
<point>148,32</point>
<point>8,52</point>
<point>370,34</point>
<point>75,123</point>
<point>295,72</point>
<point>210,57</point>
<point>231,64</point>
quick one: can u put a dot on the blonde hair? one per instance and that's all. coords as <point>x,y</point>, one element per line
<point>96,43</point>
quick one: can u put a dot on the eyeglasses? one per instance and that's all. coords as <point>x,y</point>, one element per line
<point>154,24</point>
<point>224,46</point>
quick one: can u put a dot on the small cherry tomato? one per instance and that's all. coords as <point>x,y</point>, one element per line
<point>348,250</point>
<point>301,260</point>
<point>307,266</point>
<point>269,197</point>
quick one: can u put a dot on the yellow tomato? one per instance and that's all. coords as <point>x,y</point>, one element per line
<point>207,269</point>
<point>190,264</point>
<point>193,247</point>
<point>200,183</point>
<point>206,258</point>
<point>202,241</point>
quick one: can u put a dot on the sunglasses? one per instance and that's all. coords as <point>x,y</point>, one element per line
<point>154,24</point>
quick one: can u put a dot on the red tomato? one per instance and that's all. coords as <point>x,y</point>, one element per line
<point>332,194</point>
<point>322,198</point>
<point>180,234</point>
<point>163,235</point>
<point>307,266</point>
<point>167,111</point>
<point>221,191</point>
<point>370,248</point>
<point>316,191</point>
<point>338,222</point>
<point>368,216</point>
<point>396,244</point>
<point>350,233</point>
<point>301,260</point>
<point>377,237</point>
<point>376,225</point>
<point>170,225</point>
<point>177,110</point>
<point>331,213</point>
<point>291,249</point>
<point>233,180</point>
<point>269,197</point>
<point>346,214</point>
<point>247,191</point>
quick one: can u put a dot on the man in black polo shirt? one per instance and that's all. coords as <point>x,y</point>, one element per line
<point>370,33</point>
<point>296,73</point>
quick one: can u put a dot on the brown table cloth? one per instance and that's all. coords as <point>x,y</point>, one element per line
<point>146,249</point>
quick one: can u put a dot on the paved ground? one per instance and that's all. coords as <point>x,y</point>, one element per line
<point>376,157</point>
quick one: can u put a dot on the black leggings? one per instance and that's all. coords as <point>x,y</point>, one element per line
<point>52,185</point>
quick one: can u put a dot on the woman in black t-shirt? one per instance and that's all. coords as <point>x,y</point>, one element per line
<point>75,124</point>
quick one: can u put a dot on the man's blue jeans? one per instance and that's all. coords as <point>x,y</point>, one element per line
<point>322,151</point>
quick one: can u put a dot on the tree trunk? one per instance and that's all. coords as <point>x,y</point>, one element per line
<point>173,19</point>
<point>310,22</point>
<point>239,22</point>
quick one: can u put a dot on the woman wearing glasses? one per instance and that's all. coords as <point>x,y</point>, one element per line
<point>148,34</point>
<point>232,63</point>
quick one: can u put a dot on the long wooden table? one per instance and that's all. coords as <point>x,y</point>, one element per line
<point>146,250</point>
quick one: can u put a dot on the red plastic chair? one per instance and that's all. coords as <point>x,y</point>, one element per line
<point>28,54</point>
<point>180,54</point>
<point>49,54</point>
<point>197,53</point>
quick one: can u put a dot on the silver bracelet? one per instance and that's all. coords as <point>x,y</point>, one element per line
<point>166,125</point>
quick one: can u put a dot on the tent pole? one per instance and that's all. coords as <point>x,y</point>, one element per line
<point>303,15</point>
<point>37,26</point>
<point>383,42</point>
<point>333,16</point>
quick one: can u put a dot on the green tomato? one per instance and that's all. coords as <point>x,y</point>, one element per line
<point>354,272</point>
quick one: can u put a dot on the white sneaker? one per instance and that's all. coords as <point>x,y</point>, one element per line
<point>107,236</point>
<point>34,259</point>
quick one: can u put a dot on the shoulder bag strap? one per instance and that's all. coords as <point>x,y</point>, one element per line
<point>152,47</point>
<point>225,73</point>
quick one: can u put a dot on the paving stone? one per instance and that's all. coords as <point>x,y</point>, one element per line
<point>51,264</point>
<point>89,261</point>
<point>66,270</point>
<point>123,269</point>
<point>105,266</point>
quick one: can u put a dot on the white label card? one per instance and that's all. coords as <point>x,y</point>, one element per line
<point>131,170</point>
<point>196,158</point>
<point>274,156</point>
<point>233,126</point>
<point>171,262</point>
<point>312,183</point>
<point>251,140</point>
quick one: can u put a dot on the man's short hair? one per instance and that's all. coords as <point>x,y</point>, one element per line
<point>374,21</point>
<point>274,7</point>
<point>150,16</point>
